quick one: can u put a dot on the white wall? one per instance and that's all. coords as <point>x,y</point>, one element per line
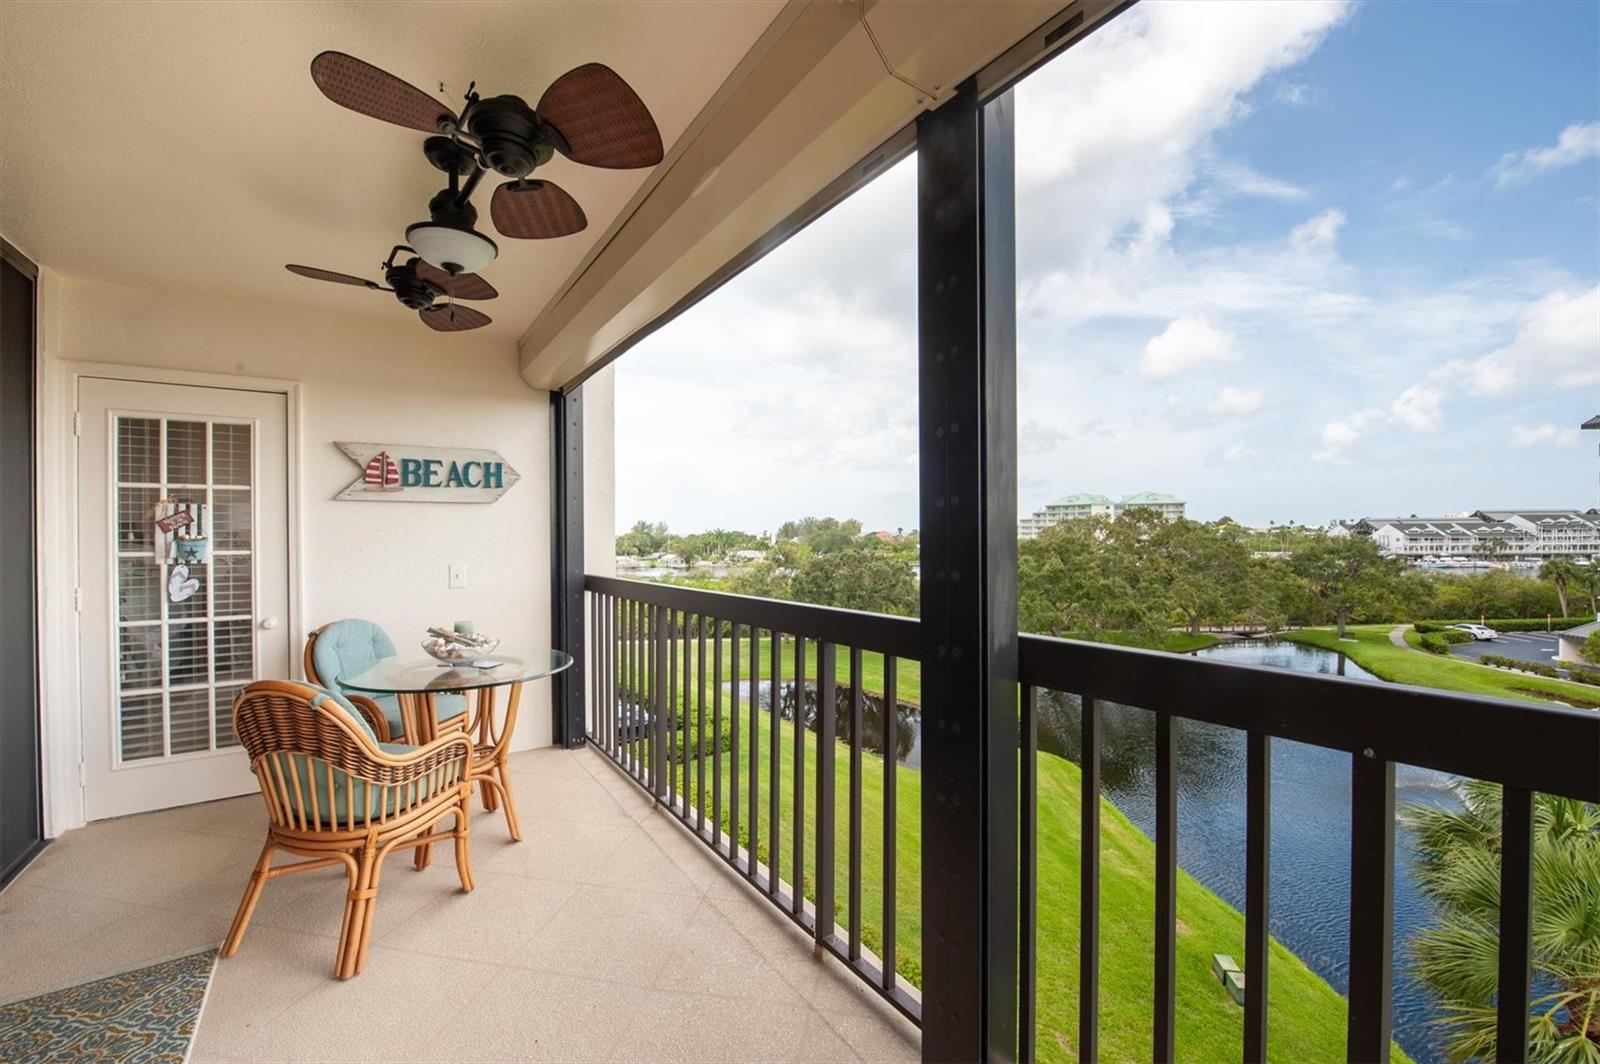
<point>365,381</point>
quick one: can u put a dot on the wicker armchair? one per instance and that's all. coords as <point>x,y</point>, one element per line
<point>337,796</point>
<point>352,645</point>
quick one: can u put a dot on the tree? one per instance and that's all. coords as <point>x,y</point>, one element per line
<point>1458,862</point>
<point>643,538</point>
<point>1563,573</point>
<point>1201,571</point>
<point>1347,574</point>
<point>857,579</point>
<point>822,534</point>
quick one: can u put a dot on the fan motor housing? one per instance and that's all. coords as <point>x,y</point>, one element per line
<point>410,289</point>
<point>510,135</point>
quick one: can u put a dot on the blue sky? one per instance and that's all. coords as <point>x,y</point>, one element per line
<point>1287,261</point>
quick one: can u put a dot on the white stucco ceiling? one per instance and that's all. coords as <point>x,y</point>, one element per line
<point>183,146</point>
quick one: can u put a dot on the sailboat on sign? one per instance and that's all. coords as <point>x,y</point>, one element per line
<point>381,473</point>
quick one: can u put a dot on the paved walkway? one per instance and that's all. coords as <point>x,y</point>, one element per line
<point>1397,636</point>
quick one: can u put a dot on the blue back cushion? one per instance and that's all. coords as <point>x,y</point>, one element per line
<point>347,647</point>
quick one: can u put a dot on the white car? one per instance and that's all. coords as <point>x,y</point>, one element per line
<point>1477,631</point>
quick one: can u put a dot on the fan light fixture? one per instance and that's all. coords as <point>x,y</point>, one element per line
<point>452,249</point>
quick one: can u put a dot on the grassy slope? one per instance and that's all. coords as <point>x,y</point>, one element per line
<point>1307,1015</point>
<point>1372,650</point>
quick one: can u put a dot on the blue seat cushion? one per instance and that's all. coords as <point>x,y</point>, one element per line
<point>314,773</point>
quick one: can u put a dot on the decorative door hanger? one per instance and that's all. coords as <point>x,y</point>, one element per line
<point>182,531</point>
<point>397,472</point>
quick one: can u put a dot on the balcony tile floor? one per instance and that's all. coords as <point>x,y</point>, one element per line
<point>606,934</point>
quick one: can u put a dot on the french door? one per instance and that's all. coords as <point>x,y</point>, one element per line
<point>183,568</point>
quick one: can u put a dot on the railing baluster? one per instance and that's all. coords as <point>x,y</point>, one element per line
<point>626,708</point>
<point>1516,924</point>
<point>1166,885</point>
<point>825,789</point>
<point>716,728</point>
<point>755,757</point>
<point>674,714</point>
<point>855,797</point>
<point>1257,891</point>
<point>1089,885</point>
<point>1371,907</point>
<point>773,717</point>
<point>700,726</point>
<point>686,715</point>
<point>658,734</point>
<point>734,750</point>
<point>798,900</point>
<point>891,752</point>
<point>1028,872</point>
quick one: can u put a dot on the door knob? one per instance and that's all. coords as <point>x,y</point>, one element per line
<point>269,623</point>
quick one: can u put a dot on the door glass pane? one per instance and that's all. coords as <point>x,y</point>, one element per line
<point>224,712</point>
<point>191,721</point>
<point>141,726</point>
<point>235,655</point>
<point>231,520</point>
<point>138,450</point>
<point>135,529</point>
<point>138,590</point>
<point>173,642</point>
<point>186,653</point>
<point>231,585</point>
<point>186,452</point>
<point>230,454</point>
<point>140,657</point>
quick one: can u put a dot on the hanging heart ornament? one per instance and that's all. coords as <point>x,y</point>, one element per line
<point>180,585</point>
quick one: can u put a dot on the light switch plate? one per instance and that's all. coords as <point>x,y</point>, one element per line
<point>458,575</point>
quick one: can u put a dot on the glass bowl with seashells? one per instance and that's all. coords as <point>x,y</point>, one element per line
<point>457,648</point>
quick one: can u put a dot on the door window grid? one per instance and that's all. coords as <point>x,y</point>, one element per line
<point>192,461</point>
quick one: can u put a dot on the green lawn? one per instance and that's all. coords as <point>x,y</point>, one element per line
<point>1371,649</point>
<point>1307,1016</point>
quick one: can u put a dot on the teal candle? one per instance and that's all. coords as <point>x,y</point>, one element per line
<point>464,628</point>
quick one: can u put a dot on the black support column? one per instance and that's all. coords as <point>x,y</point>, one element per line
<point>566,554</point>
<point>966,313</point>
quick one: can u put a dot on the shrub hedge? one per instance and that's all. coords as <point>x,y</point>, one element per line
<point>1499,624</point>
<point>1433,643</point>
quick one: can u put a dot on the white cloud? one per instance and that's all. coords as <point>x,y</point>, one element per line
<point>1037,438</point>
<point>1238,402</point>
<point>1577,142</point>
<point>1127,122</point>
<point>1547,433</point>
<point>1319,231</point>
<point>1557,345</point>
<point>1186,344</point>
<point>1416,410</point>
<point>1242,452</point>
<point>1240,179</point>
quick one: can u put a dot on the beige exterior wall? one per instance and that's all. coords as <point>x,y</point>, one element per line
<point>358,380</point>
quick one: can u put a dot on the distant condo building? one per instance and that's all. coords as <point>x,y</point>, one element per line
<point>1085,504</point>
<point>1483,534</point>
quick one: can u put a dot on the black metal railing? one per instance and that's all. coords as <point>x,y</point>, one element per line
<point>1523,747</point>
<point>678,677</point>
<point>677,683</point>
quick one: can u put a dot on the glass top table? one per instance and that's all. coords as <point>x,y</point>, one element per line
<point>416,682</point>
<point>424,676</point>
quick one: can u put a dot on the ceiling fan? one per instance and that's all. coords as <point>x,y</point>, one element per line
<point>589,114</point>
<point>419,285</point>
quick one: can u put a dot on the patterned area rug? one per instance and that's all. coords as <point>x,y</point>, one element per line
<point>147,1014</point>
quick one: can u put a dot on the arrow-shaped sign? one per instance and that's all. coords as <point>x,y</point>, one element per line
<point>400,472</point>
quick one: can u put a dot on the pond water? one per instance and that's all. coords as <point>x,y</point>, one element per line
<point>1310,815</point>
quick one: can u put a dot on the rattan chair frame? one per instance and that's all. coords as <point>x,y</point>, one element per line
<point>415,791</point>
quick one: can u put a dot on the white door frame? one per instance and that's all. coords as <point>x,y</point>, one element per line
<point>61,686</point>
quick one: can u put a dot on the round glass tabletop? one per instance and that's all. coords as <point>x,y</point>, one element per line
<point>393,676</point>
